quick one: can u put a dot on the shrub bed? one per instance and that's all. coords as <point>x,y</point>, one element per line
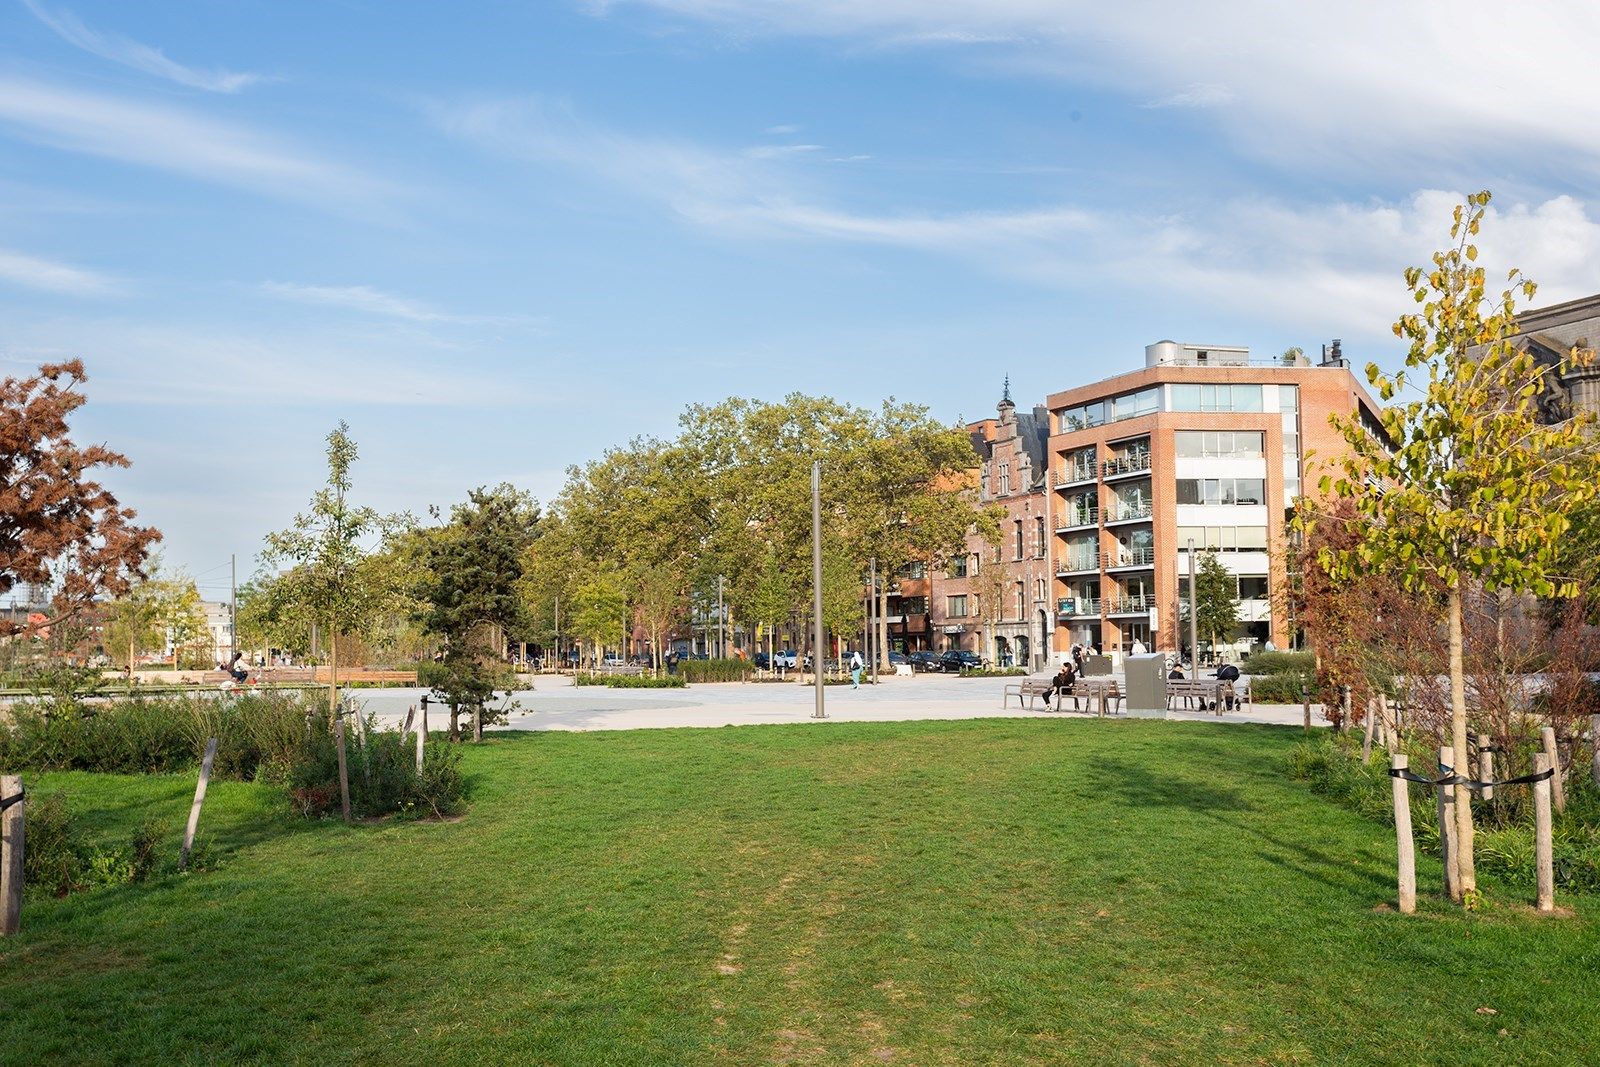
<point>1276,688</point>
<point>992,672</point>
<point>1263,663</point>
<point>714,670</point>
<point>1331,765</point>
<point>645,681</point>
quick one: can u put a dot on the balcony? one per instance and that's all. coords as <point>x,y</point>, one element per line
<point>1124,604</point>
<point>1074,606</point>
<point>1074,517</point>
<point>1074,473</point>
<point>1133,557</point>
<point>1133,511</point>
<point>1078,562</point>
<point>1122,466</point>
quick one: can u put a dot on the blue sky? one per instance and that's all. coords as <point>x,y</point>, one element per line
<point>498,238</point>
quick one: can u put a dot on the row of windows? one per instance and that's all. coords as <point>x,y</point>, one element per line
<point>1216,398</point>
<point>1221,491</point>
<point>1224,538</point>
<point>1126,406</point>
<point>1220,444</point>
<point>1249,587</point>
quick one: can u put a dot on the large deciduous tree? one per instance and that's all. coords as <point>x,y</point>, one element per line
<point>1470,485</point>
<point>59,526</point>
<point>1216,599</point>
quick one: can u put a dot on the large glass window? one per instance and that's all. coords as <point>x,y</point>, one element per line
<point>1083,417</point>
<point>958,566</point>
<point>1219,444</point>
<point>1252,587</point>
<point>1210,397</point>
<point>957,606</point>
<point>1221,491</point>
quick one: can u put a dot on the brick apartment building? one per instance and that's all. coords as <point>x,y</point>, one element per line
<point>1201,445</point>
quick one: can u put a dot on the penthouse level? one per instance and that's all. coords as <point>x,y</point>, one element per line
<point>1201,445</point>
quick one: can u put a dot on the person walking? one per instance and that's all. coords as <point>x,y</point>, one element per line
<point>855,669</point>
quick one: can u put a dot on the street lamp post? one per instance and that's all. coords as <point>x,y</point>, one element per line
<point>1194,621</point>
<point>818,653</point>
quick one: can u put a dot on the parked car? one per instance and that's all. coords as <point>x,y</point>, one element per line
<point>898,659</point>
<point>924,661</point>
<point>614,661</point>
<point>786,659</point>
<point>957,659</point>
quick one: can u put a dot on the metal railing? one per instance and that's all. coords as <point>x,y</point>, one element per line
<point>1080,561</point>
<point>1079,472</point>
<point>1129,605</point>
<point>1079,517</point>
<point>1078,605</point>
<point>1132,511</point>
<point>1130,463</point>
<point>1134,557</point>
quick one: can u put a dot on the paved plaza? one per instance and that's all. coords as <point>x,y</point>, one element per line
<point>554,703</point>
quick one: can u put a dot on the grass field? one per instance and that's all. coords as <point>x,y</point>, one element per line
<point>980,892</point>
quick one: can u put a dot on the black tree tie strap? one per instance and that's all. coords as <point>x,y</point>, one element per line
<point>1455,779</point>
<point>17,799</point>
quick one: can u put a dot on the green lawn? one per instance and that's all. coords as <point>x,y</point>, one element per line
<point>984,892</point>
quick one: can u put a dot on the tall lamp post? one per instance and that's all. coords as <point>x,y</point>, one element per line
<point>1194,622</point>
<point>818,653</point>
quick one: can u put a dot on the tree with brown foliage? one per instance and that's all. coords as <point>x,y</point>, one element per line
<point>59,526</point>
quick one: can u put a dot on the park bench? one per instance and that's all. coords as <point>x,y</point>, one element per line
<point>1095,692</point>
<point>629,669</point>
<point>370,677</point>
<point>1190,692</point>
<point>1030,690</point>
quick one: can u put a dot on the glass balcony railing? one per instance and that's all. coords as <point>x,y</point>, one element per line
<point>1130,463</point>
<point>1079,517</point>
<point>1133,557</point>
<point>1131,511</point>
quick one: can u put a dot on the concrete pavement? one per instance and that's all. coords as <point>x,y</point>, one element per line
<point>556,704</point>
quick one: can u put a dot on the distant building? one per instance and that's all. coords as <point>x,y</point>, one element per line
<point>1205,446</point>
<point>1551,334</point>
<point>219,623</point>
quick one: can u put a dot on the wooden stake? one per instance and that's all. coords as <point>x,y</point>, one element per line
<point>477,722</point>
<point>1366,734</point>
<point>12,839</point>
<point>1547,736</point>
<point>1305,700</point>
<point>1543,856</point>
<point>1407,866</point>
<point>199,799</point>
<point>1594,743</point>
<point>1447,824</point>
<point>361,730</point>
<point>411,715</point>
<point>344,770</point>
<point>1344,707</point>
<point>422,738</point>
<point>1485,766</point>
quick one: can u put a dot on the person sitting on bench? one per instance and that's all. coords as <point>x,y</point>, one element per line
<point>1061,685</point>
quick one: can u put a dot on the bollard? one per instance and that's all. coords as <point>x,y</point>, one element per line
<point>1547,737</point>
<point>12,840</point>
<point>1543,856</point>
<point>1447,824</point>
<point>1407,857</point>
<point>1485,766</point>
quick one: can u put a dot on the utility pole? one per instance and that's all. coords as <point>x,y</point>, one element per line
<point>818,653</point>
<point>233,609</point>
<point>722,634</point>
<point>561,653</point>
<point>1194,621</point>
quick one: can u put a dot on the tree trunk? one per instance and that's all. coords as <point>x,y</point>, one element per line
<point>1466,876</point>
<point>455,722</point>
<point>883,627</point>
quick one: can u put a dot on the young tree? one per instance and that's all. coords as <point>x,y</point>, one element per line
<point>328,549</point>
<point>58,525</point>
<point>659,599</point>
<point>182,618</point>
<point>471,570</point>
<point>598,604</point>
<point>1216,598</point>
<point>133,622</point>
<point>1469,485</point>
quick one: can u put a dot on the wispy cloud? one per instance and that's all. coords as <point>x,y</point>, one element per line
<point>48,276</point>
<point>367,300</point>
<point>1380,86</point>
<point>139,56</point>
<point>176,140</point>
<point>782,130</point>
<point>780,151</point>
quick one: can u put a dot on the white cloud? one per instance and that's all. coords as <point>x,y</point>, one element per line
<point>51,277</point>
<point>779,151</point>
<point>132,53</point>
<point>1368,84</point>
<point>370,301</point>
<point>176,140</point>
